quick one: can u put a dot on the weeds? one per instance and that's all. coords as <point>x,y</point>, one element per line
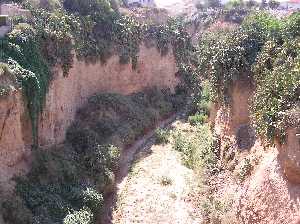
<point>197,119</point>
<point>197,151</point>
<point>66,184</point>
<point>162,136</point>
<point>165,181</point>
<point>218,211</point>
<point>245,170</point>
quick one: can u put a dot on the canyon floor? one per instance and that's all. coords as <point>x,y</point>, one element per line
<point>157,189</point>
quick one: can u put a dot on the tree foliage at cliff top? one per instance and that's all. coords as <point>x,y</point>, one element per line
<point>264,49</point>
<point>93,28</point>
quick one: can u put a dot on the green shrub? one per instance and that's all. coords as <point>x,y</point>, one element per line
<point>197,119</point>
<point>162,136</point>
<point>218,210</point>
<point>179,142</point>
<point>291,26</point>
<point>64,180</point>
<point>92,199</point>
<point>225,56</point>
<point>79,217</point>
<point>266,50</point>
<point>4,90</point>
<point>276,73</point>
<point>270,104</point>
<point>30,50</point>
<point>197,151</point>
<point>67,184</point>
<point>245,169</point>
<point>166,181</point>
<point>262,26</point>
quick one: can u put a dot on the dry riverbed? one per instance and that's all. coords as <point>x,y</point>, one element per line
<point>157,189</point>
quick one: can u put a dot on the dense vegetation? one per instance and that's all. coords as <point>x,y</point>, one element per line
<point>94,29</point>
<point>66,184</point>
<point>264,49</point>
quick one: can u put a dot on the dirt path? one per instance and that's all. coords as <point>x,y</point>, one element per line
<point>155,191</point>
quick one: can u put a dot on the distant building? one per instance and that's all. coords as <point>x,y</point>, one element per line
<point>139,3</point>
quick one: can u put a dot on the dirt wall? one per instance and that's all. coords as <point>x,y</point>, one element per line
<point>271,193</point>
<point>66,95</point>
<point>14,140</point>
<point>228,119</point>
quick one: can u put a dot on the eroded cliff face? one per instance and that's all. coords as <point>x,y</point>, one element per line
<point>271,193</point>
<point>66,95</point>
<point>290,155</point>
<point>15,138</point>
<point>229,120</point>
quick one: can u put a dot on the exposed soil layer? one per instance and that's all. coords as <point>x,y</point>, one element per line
<point>268,193</point>
<point>66,95</point>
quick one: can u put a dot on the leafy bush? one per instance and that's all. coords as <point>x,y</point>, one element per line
<point>64,181</point>
<point>166,181</point>
<point>262,26</point>
<point>245,169</point>
<point>198,118</point>
<point>224,57</point>
<point>197,151</point>
<point>277,76</point>
<point>67,184</point>
<point>202,99</point>
<point>277,93</point>
<point>266,50</point>
<point>93,28</point>
<point>79,217</point>
<point>97,8</point>
<point>30,50</point>
<point>227,55</point>
<point>218,210</point>
<point>291,26</point>
<point>130,115</point>
<point>162,136</point>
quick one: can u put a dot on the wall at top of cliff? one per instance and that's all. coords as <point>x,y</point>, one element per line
<point>67,94</point>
